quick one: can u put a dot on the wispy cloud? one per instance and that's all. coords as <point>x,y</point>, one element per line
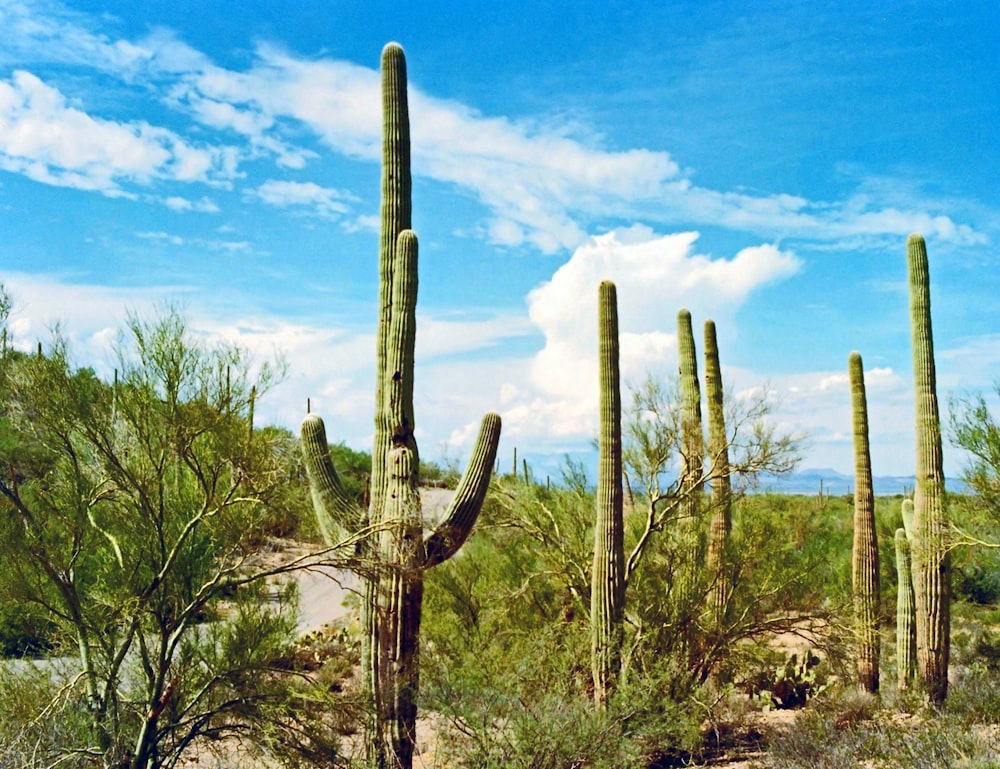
<point>324,201</point>
<point>46,139</point>
<point>541,184</point>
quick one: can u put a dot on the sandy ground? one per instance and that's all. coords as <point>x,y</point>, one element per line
<point>329,595</point>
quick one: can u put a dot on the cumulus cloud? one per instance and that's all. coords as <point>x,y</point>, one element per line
<point>655,276</point>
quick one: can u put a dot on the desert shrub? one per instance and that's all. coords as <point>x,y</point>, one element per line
<point>845,727</point>
<point>24,631</point>
<point>533,709</point>
<point>40,713</point>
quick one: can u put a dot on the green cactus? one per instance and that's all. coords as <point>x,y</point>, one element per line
<point>607,593</point>
<point>864,564</point>
<point>718,451</point>
<point>692,435</point>
<point>931,561</point>
<point>393,551</point>
<point>906,630</point>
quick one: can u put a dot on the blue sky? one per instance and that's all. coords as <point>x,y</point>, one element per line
<point>760,166</point>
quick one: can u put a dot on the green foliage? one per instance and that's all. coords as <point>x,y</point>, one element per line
<point>128,514</point>
<point>974,429</point>
<point>25,630</point>
<point>842,728</point>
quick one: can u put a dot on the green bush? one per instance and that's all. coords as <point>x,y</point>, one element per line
<point>24,631</point>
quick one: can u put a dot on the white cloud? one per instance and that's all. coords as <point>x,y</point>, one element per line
<point>553,397</point>
<point>204,205</point>
<point>46,139</point>
<point>325,201</point>
<point>540,182</point>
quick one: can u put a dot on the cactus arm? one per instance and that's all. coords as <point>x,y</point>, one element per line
<point>931,561</point>
<point>607,590</point>
<point>336,513</point>
<point>462,512</point>
<point>864,561</point>
<point>395,418</point>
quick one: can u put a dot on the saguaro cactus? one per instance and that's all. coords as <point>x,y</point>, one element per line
<point>607,591</point>
<point>718,451</point>
<point>864,564</point>
<point>391,530</point>
<point>692,435</point>
<point>931,561</point>
<point>906,629</point>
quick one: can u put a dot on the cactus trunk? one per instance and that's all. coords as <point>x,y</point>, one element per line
<point>394,551</point>
<point>718,450</point>
<point>864,564</point>
<point>930,558</point>
<point>692,435</point>
<point>607,592</point>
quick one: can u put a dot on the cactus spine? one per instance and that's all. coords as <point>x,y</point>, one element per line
<point>395,552</point>
<point>864,564</point>
<point>607,592</point>
<point>931,561</point>
<point>718,449</point>
<point>906,628</point>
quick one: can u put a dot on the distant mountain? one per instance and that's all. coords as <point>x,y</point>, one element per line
<point>808,481</point>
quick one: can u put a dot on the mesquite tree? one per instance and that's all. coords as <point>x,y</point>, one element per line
<point>395,549</point>
<point>864,563</point>
<point>931,560</point>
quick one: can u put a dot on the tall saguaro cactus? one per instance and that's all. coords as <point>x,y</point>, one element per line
<point>692,435</point>
<point>718,451</point>
<point>607,592</point>
<point>391,530</point>
<point>864,564</point>
<point>931,560</point>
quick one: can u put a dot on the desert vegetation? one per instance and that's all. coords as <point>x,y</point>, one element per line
<point>657,615</point>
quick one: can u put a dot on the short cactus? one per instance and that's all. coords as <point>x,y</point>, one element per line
<point>607,592</point>
<point>906,628</point>
<point>864,564</point>
<point>930,553</point>
<point>393,547</point>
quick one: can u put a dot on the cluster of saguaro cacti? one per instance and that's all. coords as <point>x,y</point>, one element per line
<point>391,529</point>
<point>718,449</point>
<point>607,592</point>
<point>864,564</point>
<point>906,621</point>
<point>931,560</point>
